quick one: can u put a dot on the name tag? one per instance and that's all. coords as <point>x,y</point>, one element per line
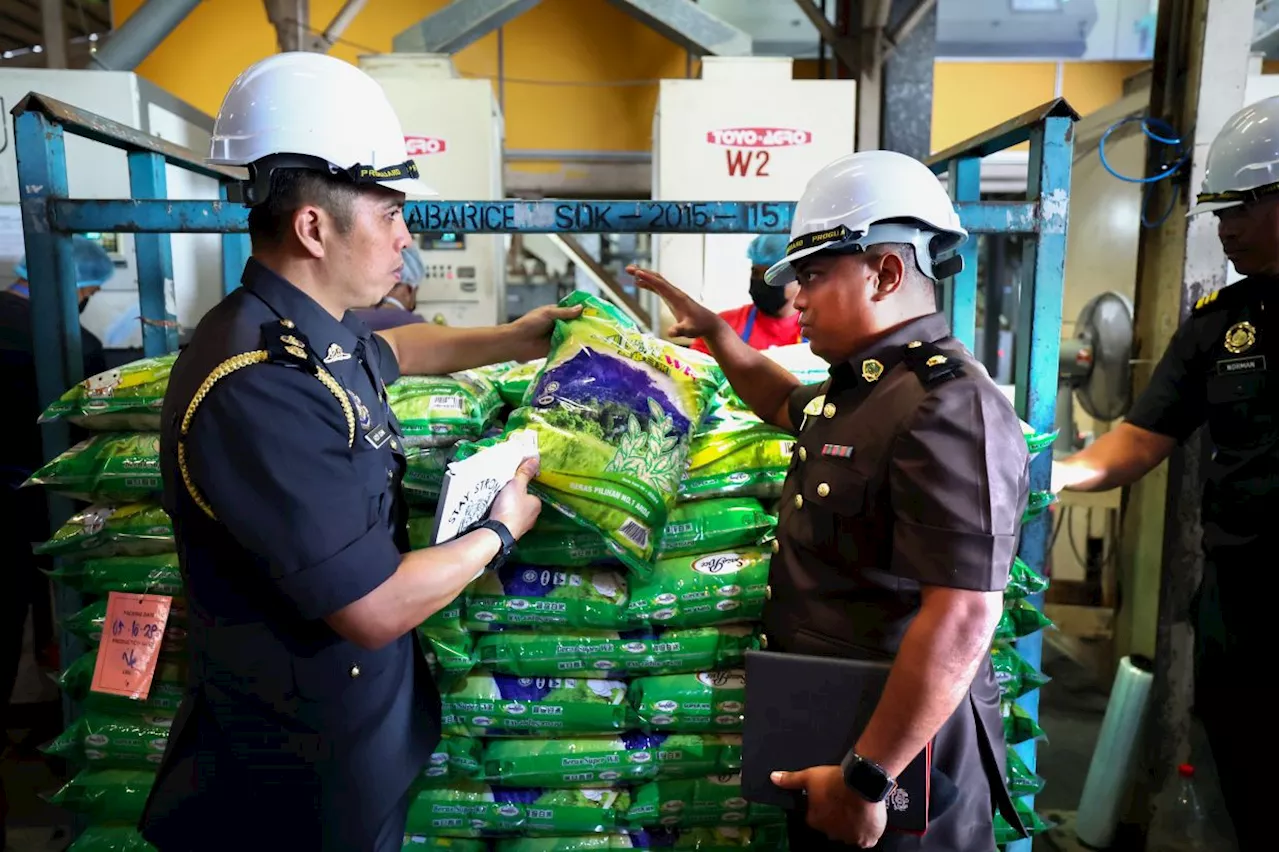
<point>378,436</point>
<point>1234,366</point>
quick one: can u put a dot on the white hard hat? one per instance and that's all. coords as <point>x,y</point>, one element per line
<point>1244,159</point>
<point>868,198</point>
<point>309,110</point>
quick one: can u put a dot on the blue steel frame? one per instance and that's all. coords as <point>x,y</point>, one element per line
<point>50,217</point>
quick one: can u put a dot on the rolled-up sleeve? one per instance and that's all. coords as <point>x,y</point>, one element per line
<point>959,484</point>
<point>268,450</point>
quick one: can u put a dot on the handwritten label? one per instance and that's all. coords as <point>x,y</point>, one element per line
<point>130,644</point>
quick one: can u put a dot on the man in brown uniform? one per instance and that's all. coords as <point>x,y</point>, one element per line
<point>902,508</point>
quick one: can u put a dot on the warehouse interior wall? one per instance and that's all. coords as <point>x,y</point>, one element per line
<point>582,75</point>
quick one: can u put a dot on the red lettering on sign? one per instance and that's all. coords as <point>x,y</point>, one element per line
<point>740,163</point>
<point>420,146</point>
<point>759,137</point>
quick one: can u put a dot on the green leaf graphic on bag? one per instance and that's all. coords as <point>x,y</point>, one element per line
<point>740,455</point>
<point>129,529</point>
<point>1023,582</point>
<point>1020,619</point>
<point>484,704</point>
<point>712,701</point>
<point>701,591</point>
<point>110,467</point>
<point>125,399</point>
<point>535,598</point>
<point>156,575</point>
<point>603,653</point>
<point>439,411</point>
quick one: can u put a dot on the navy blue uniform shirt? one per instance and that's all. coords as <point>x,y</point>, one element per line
<point>282,466</point>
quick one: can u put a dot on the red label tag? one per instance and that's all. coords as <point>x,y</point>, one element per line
<point>419,146</point>
<point>130,644</point>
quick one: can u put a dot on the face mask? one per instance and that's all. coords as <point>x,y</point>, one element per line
<point>768,299</point>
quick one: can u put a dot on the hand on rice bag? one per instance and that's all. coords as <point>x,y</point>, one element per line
<point>702,591</point>
<point>127,398</point>
<point>530,597</point>
<point>129,529</point>
<point>110,467</point>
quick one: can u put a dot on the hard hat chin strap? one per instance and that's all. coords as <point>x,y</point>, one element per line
<point>920,239</point>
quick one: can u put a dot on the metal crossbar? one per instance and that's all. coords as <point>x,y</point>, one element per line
<point>50,217</point>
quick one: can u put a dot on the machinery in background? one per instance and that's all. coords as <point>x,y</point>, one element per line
<point>99,171</point>
<point>1094,367</point>
<point>454,131</point>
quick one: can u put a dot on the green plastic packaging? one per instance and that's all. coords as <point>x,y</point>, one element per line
<point>478,809</point>
<point>1020,619</point>
<point>1019,727</point>
<point>439,411</point>
<point>129,529</point>
<point>110,838</point>
<point>701,591</point>
<point>127,398</point>
<point>515,382</point>
<point>485,704</point>
<point>614,410</point>
<point>453,650</point>
<point>529,597</point>
<point>110,467</point>
<point>603,653</point>
<point>455,759</point>
<point>117,742</point>
<point>629,758</point>
<point>426,843</point>
<point>167,686</point>
<point>1037,503</point>
<point>724,838</point>
<point>1015,676</point>
<point>107,795</point>
<point>1023,582</point>
<point>1031,820</point>
<point>714,800</point>
<point>740,455</point>
<point>711,701</point>
<point>1020,780</point>
<point>1037,442</point>
<point>424,474</point>
<point>158,574</point>
<point>87,624</point>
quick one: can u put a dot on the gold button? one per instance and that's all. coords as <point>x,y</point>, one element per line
<point>768,593</point>
<point>799,501</point>
<point>764,642</point>
<point>287,323</point>
<point>915,344</point>
<point>804,454</point>
<point>823,489</point>
<point>354,671</point>
<point>828,411</point>
<point>394,445</point>
<point>776,545</point>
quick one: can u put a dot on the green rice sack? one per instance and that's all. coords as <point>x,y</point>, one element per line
<point>724,838</point>
<point>453,650</point>
<point>424,474</point>
<point>1023,582</point>
<point>476,809</point>
<point>701,591</point>
<point>614,410</point>
<point>692,703</point>
<point>536,598</point>
<point>129,529</point>
<point>628,653</point>
<point>1019,778</point>
<point>110,838</point>
<point>1019,727</point>
<point>1014,675</point>
<point>1037,442</point>
<point>714,800</point>
<point>157,575</point>
<point>484,704</point>
<point>1037,503</point>
<point>426,843</point>
<point>117,742</point>
<point>454,759</point>
<point>710,526</point>
<point>1031,820</point>
<point>127,398</point>
<point>110,467</point>
<point>1020,619</point>
<point>556,541</point>
<point>740,455</point>
<point>439,411</point>
<point>628,758</point>
<point>107,795</point>
<point>87,624</point>
<point>514,383</point>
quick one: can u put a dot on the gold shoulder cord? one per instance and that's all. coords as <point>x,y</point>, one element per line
<point>226,368</point>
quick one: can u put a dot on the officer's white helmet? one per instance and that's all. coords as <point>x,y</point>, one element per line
<point>869,198</point>
<point>309,110</point>
<point>1244,159</point>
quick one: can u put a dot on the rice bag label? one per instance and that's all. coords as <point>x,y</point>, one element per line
<point>532,597</point>
<point>108,468</point>
<point>625,759</point>
<point>484,704</point>
<point>699,591</point>
<point>625,653</point>
<point>455,758</point>
<point>439,411</point>
<point>706,701</point>
<point>127,398</point>
<point>130,644</point>
<point>739,455</point>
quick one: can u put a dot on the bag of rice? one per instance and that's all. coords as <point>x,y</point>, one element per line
<point>724,838</point>
<point>530,597</point>
<point>127,398</point>
<point>439,411</point>
<point>484,704</point>
<point>614,410</point>
<point>110,467</point>
<point>1023,582</point>
<point>130,529</point>
<point>691,703</point>
<point>556,541</point>
<point>427,843</point>
<point>117,742</point>
<point>107,795</point>
<point>597,653</point>
<point>515,382</point>
<point>714,800</point>
<point>157,575</point>
<point>713,525</point>
<point>87,624</point>
<point>424,475</point>
<point>1020,619</point>
<point>738,455</point>
<point>453,650</point>
<point>167,687</point>
<point>1015,676</point>
<point>110,838</point>
<point>1031,820</point>
<point>1037,503</point>
<point>1037,442</point>
<point>601,761</point>
<point>702,591</point>
<point>455,759</point>
<point>476,809</point>
<point>1019,727</point>
<point>1019,778</point>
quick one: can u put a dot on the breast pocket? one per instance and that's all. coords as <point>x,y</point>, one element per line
<point>828,507</point>
<point>1232,389</point>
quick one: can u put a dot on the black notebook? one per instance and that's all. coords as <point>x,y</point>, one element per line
<point>804,711</point>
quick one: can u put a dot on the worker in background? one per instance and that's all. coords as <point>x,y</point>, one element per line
<point>771,319</point>
<point>901,513</point>
<point>397,307</point>
<point>1220,370</point>
<point>310,708</point>
<point>21,453</point>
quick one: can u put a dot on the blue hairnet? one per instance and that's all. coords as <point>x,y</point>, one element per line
<point>767,249</point>
<point>93,265</point>
<point>413,268</point>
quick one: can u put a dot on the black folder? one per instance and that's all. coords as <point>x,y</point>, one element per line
<point>804,711</point>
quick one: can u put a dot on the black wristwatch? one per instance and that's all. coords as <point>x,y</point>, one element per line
<point>866,778</point>
<point>508,541</point>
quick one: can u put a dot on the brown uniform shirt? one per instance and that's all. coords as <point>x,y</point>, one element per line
<point>910,469</point>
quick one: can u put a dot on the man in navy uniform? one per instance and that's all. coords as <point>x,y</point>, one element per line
<point>902,508</point>
<point>310,707</point>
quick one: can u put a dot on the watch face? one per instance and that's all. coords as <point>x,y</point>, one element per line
<point>868,780</point>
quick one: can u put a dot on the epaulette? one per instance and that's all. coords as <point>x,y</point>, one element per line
<point>930,364</point>
<point>282,343</point>
<point>1206,300</point>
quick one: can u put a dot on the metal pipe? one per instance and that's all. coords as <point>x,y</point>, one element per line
<point>909,23</point>
<point>543,155</point>
<point>338,25</point>
<point>141,34</point>
<point>502,101</point>
<point>55,33</point>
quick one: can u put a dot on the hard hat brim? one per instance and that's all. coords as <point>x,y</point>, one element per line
<point>1212,207</point>
<point>783,272</point>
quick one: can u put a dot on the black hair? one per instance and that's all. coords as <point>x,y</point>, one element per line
<point>271,220</point>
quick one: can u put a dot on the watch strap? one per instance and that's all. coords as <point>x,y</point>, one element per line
<point>508,540</point>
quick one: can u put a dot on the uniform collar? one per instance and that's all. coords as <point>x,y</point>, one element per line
<point>886,351</point>
<point>332,340</point>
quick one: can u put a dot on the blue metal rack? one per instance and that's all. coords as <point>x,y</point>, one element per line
<point>50,217</point>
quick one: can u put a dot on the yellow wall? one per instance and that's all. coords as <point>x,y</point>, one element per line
<point>586,42</point>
